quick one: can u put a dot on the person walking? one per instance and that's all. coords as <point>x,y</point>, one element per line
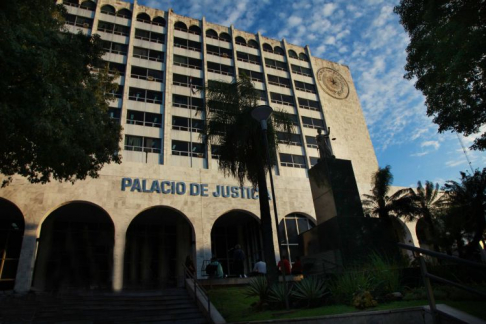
<point>239,261</point>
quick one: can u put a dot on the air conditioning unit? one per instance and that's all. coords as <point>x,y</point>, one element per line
<point>86,25</point>
<point>150,78</point>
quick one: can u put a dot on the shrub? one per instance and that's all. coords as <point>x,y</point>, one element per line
<point>310,290</point>
<point>364,300</point>
<point>385,274</point>
<point>258,287</point>
<point>349,283</point>
<point>279,293</point>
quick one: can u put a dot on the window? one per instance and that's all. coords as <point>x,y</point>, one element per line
<point>303,86</point>
<point>187,44</point>
<point>240,41</point>
<point>115,114</point>
<point>185,81</point>
<point>219,51</point>
<point>119,92</point>
<point>252,43</point>
<point>294,119</point>
<point>144,95</point>
<point>250,58</point>
<point>278,50</point>
<point>115,48</point>
<point>186,124</point>
<point>112,67</point>
<point>78,21</point>
<point>148,54</point>
<point>143,17</point>
<point>292,160</point>
<point>73,3</point>
<point>88,5</point>
<point>194,30</point>
<point>313,160</point>
<point>290,139</point>
<point>147,74</point>
<point>186,148</point>
<point>185,102</point>
<point>225,37</point>
<point>275,64</point>
<point>149,36</point>
<point>301,70</point>
<point>211,34</point>
<point>254,76</point>
<point>267,48</point>
<point>311,141</point>
<point>290,228</point>
<point>159,21</point>
<point>293,55</point>
<point>188,62</point>
<point>144,118</point>
<point>180,26</point>
<point>124,13</point>
<point>303,57</point>
<point>308,104</point>
<point>215,151</point>
<point>312,122</point>
<point>108,10</point>
<point>278,81</point>
<point>261,94</point>
<point>282,99</point>
<point>142,144</point>
<point>220,68</point>
<point>113,28</point>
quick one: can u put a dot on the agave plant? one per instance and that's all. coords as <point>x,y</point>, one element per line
<point>258,287</point>
<point>311,290</point>
<point>279,293</point>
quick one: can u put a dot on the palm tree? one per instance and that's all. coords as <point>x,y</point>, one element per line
<point>425,202</point>
<point>380,204</point>
<point>467,200</point>
<point>238,137</point>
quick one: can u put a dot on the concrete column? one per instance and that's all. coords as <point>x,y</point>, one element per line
<point>25,269</point>
<point>118,259</point>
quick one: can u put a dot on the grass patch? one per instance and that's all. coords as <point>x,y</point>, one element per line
<point>236,307</point>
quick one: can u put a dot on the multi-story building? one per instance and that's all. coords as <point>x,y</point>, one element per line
<point>135,225</point>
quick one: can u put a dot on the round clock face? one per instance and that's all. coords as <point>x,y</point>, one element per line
<point>333,83</point>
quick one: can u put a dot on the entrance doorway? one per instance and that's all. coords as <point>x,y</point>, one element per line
<point>236,227</point>
<point>11,236</point>
<point>157,244</point>
<point>75,249</point>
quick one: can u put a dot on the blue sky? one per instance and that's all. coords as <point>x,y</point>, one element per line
<point>367,36</point>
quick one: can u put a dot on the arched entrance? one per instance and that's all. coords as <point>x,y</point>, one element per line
<point>232,228</point>
<point>290,228</point>
<point>423,234</point>
<point>75,249</point>
<point>11,235</point>
<point>158,241</point>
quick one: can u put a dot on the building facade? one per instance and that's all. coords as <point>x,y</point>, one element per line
<point>135,225</point>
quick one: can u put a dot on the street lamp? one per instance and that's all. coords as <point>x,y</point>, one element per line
<point>261,114</point>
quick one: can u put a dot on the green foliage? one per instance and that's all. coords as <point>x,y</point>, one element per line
<point>349,283</point>
<point>54,111</point>
<point>258,288</point>
<point>385,273</point>
<point>279,293</point>
<point>447,58</point>
<point>311,290</point>
<point>364,299</point>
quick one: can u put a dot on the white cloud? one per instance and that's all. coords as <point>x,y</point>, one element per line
<point>434,144</point>
<point>419,154</point>
<point>328,9</point>
<point>294,21</point>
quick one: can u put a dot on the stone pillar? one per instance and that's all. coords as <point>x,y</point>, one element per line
<point>25,269</point>
<point>118,259</point>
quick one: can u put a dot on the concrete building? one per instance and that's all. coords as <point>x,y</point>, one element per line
<point>134,226</point>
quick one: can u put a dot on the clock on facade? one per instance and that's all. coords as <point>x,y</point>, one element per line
<point>333,83</point>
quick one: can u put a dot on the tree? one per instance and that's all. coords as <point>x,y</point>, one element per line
<point>380,204</point>
<point>447,57</point>
<point>238,138</point>
<point>466,200</point>
<point>53,109</point>
<point>424,203</point>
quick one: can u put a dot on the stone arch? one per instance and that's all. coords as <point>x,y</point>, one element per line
<point>423,234</point>
<point>278,50</point>
<point>195,29</point>
<point>124,13</point>
<point>71,2</point>
<point>290,227</point>
<point>225,37</point>
<point>159,21</point>
<point>158,240</point>
<point>293,54</point>
<point>109,10</point>
<point>88,5</point>
<point>211,33</point>
<point>179,25</point>
<point>12,228</point>
<point>252,43</point>
<point>240,40</point>
<point>144,17</point>
<point>303,57</point>
<point>236,227</point>
<point>267,48</point>
<point>75,248</point>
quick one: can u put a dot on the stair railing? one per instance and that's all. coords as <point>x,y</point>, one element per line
<point>427,277</point>
<point>204,293</point>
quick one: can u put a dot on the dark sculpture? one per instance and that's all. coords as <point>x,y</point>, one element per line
<point>323,144</point>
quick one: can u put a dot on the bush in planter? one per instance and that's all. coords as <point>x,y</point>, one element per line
<point>278,293</point>
<point>364,300</point>
<point>345,285</point>
<point>310,290</point>
<point>258,287</point>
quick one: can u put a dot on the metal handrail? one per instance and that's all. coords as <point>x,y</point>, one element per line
<point>203,291</point>
<point>426,276</point>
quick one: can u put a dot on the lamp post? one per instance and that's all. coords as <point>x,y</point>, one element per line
<point>262,113</point>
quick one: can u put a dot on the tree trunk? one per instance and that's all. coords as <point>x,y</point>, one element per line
<point>266,229</point>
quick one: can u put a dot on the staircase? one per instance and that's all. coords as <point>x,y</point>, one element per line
<point>165,306</point>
